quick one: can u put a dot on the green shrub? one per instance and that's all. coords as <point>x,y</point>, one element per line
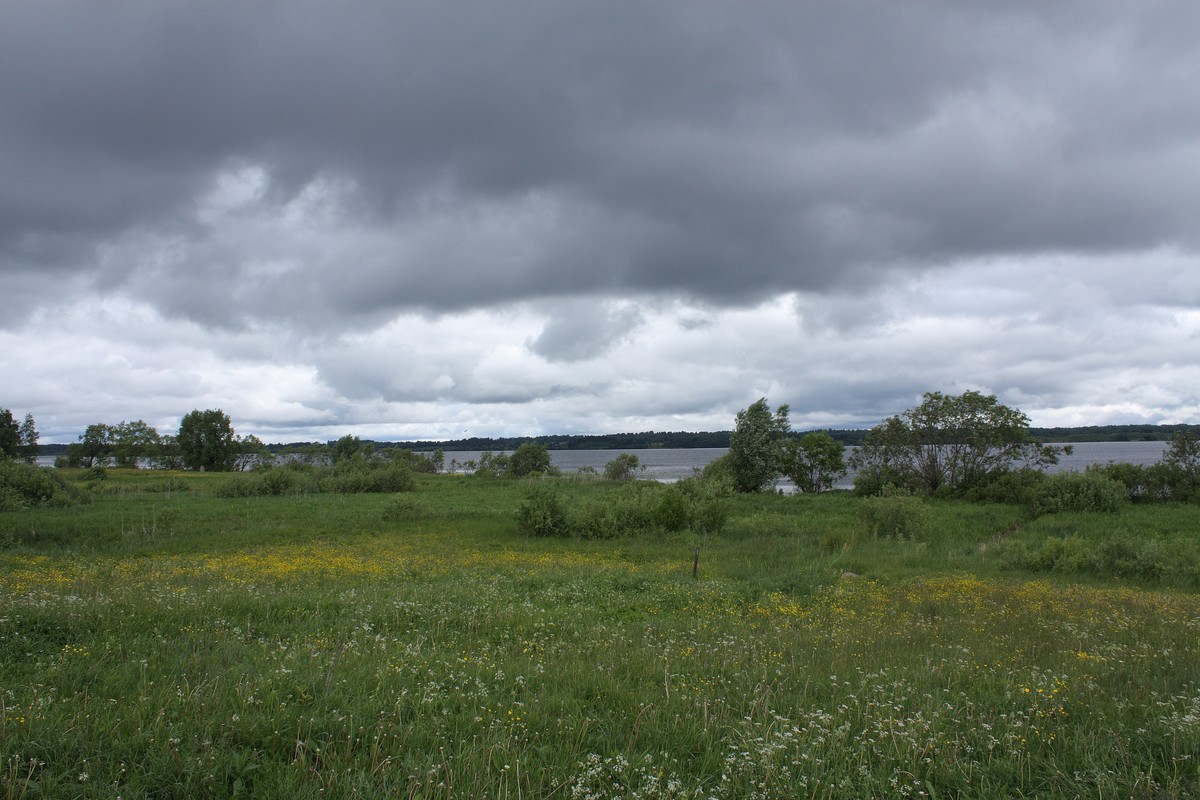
<point>541,513</point>
<point>1018,487</point>
<point>708,504</point>
<point>1117,554</point>
<point>404,509</point>
<point>623,468</point>
<point>272,482</point>
<point>1080,491</point>
<point>24,486</point>
<point>894,514</point>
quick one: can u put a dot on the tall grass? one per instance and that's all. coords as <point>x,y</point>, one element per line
<point>359,645</point>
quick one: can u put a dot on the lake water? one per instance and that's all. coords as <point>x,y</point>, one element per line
<point>673,464</point>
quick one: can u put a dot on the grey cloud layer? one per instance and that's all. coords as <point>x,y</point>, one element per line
<point>451,155</point>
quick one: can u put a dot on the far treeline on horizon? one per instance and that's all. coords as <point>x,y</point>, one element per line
<point>652,440</point>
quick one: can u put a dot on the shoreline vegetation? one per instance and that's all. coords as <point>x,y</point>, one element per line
<point>651,440</point>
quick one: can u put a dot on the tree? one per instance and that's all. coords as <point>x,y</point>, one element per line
<point>28,437</point>
<point>206,441</point>
<point>10,435</point>
<point>529,459</point>
<point>1182,463</point>
<point>350,447</point>
<point>815,463</point>
<point>131,442</point>
<point>950,442</point>
<point>93,448</point>
<point>250,451</point>
<point>167,455</point>
<point>756,446</point>
<point>623,468</point>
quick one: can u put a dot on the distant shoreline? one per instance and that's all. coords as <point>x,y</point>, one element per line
<point>683,440</point>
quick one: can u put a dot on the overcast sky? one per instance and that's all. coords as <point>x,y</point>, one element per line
<point>439,219</point>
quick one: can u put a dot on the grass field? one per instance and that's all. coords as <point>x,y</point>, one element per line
<point>164,641</point>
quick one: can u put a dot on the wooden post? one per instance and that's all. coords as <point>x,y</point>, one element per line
<point>696,563</point>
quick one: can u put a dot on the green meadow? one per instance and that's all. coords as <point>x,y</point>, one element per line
<point>169,639</point>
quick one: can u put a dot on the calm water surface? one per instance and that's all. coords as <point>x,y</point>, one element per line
<point>673,464</point>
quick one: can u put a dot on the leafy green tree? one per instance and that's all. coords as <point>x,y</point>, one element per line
<point>623,468</point>
<point>167,455</point>
<point>756,446</point>
<point>93,449</point>
<point>10,435</point>
<point>815,463</point>
<point>206,441</point>
<point>949,442</point>
<point>250,451</point>
<point>28,436</point>
<point>351,447</point>
<point>1182,463</point>
<point>530,458</point>
<point>131,442</point>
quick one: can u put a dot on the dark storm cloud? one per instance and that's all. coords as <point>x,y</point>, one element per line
<point>498,151</point>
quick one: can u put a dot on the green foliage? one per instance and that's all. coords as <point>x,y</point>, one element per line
<point>18,441</point>
<point>895,514</point>
<point>490,465</point>
<point>24,486</point>
<point>542,512</point>
<point>530,458</point>
<point>355,476</point>
<point>10,435</point>
<point>93,449</point>
<point>1117,553</point>
<point>424,463</point>
<point>949,443</point>
<point>719,471</point>
<point>1017,487</point>
<point>756,446</point>
<point>206,441</point>
<point>350,447</point>
<point>404,508</point>
<point>167,455</point>
<point>632,509</point>
<point>814,463</point>
<point>361,477</point>
<point>131,442</point>
<point>623,468</point>
<point>1079,491</point>
<point>1182,463</point>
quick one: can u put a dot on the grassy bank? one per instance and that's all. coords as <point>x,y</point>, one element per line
<point>166,641</point>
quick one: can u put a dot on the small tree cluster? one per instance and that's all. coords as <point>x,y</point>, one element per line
<point>18,440</point>
<point>1175,477</point>
<point>948,443</point>
<point>531,458</point>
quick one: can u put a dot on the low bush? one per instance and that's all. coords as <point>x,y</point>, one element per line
<point>1118,554</point>
<point>542,513</point>
<point>25,486</point>
<point>1079,491</point>
<point>894,514</point>
<point>638,507</point>
<point>350,477</point>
